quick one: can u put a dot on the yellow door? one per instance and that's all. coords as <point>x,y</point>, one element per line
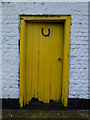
<point>43,61</point>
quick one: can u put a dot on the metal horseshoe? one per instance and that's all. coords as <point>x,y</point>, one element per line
<point>46,34</point>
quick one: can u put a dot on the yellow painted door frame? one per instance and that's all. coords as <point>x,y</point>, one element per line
<point>66,53</point>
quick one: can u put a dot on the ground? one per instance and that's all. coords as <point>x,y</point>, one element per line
<point>46,114</point>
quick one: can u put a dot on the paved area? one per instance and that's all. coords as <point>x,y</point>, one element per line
<point>46,114</point>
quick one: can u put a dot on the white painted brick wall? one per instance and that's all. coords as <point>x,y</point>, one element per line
<point>0,49</point>
<point>78,80</point>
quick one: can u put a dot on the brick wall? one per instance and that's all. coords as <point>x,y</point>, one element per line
<point>0,50</point>
<point>78,80</point>
<point>89,50</point>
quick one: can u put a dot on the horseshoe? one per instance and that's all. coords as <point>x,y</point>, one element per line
<point>46,34</point>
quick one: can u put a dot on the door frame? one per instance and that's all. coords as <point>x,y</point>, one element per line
<point>66,53</point>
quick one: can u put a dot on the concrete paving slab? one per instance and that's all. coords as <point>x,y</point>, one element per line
<point>44,114</point>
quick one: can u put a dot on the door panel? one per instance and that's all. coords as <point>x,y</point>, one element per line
<point>43,64</point>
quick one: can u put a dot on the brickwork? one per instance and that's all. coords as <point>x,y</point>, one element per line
<point>78,80</point>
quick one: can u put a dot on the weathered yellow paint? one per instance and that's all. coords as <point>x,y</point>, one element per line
<point>41,74</point>
<point>22,61</point>
<point>66,54</point>
<point>45,18</point>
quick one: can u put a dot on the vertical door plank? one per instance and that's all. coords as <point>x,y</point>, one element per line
<point>29,61</point>
<point>47,63</point>
<point>41,65</point>
<point>53,65</point>
<point>35,59</point>
<point>59,48</point>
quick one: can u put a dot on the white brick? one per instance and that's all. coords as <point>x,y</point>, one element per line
<point>78,78</point>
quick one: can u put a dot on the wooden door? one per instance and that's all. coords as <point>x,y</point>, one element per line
<point>43,61</point>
